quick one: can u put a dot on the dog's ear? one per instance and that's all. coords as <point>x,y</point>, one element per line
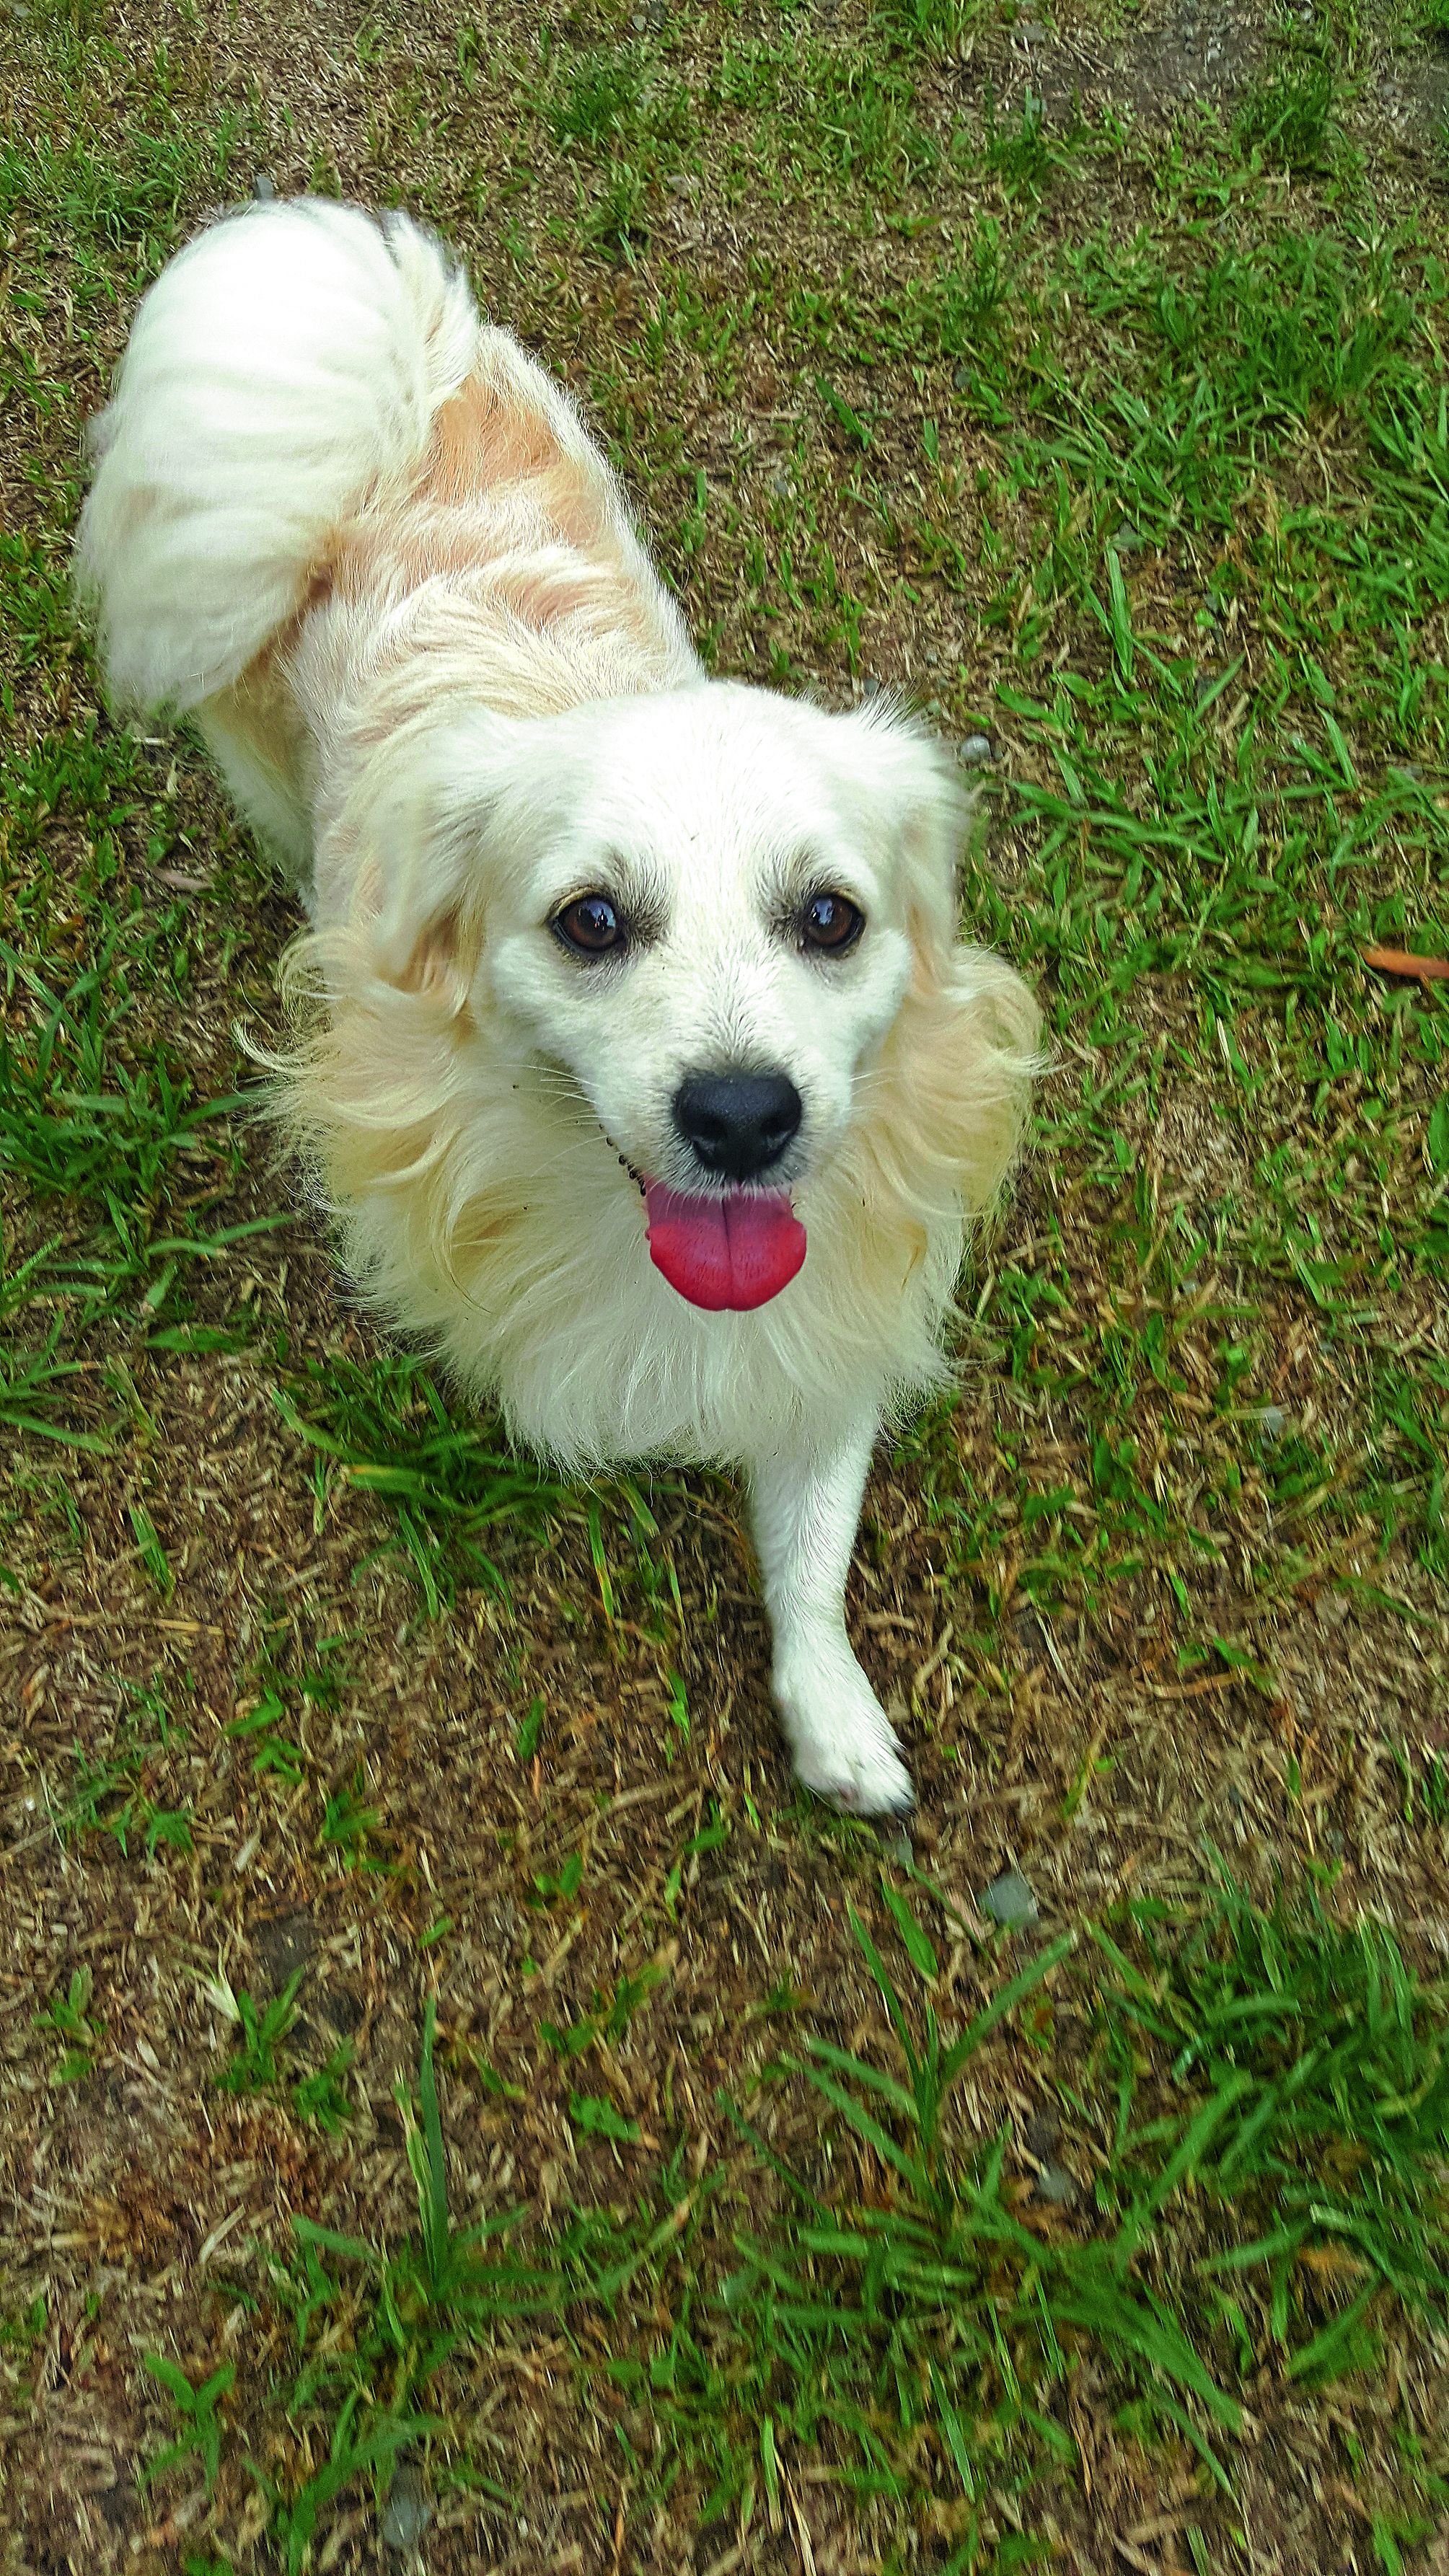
<point>424,827</point>
<point>923,812</point>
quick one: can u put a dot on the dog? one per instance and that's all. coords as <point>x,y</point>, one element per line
<point>647,1081</point>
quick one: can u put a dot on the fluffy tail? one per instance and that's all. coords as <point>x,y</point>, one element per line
<point>286,365</point>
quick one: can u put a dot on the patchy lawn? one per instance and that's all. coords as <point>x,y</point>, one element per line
<point>460,2105</point>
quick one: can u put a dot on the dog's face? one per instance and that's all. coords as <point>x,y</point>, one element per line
<point>700,911</point>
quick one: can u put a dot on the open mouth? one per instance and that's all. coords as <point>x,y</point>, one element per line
<point>734,1252</point>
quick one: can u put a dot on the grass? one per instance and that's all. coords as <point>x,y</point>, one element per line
<point>1326,2097</point>
<point>387,1428</point>
<point>110,1788</point>
<point>420,2304</point>
<point>917,2318</point>
<point>750,2196</point>
<point>200,2427</point>
<point>260,2064</point>
<point>67,2016</point>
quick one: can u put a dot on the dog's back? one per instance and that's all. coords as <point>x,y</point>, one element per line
<point>319,461</point>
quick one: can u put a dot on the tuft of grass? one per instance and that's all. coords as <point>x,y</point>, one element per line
<point>366,2360</point>
<point>1318,2083</point>
<point>386,1427</point>
<point>253,2066</point>
<point>68,2016</point>
<point>116,208</point>
<point>619,106</point>
<point>349,1825</point>
<point>199,2427</point>
<point>932,26</point>
<point>1288,122</point>
<point>112,1788</point>
<point>75,1124</point>
<point>258,2063</point>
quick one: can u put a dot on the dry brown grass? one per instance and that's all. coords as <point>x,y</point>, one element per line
<point>1065,1738</point>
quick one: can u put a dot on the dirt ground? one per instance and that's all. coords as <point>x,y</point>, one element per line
<point>1065,1738</point>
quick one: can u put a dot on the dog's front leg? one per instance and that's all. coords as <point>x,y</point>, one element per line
<point>806,1507</point>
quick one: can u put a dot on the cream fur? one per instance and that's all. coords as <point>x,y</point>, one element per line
<point>368,545</point>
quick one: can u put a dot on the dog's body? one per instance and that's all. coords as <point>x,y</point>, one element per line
<point>588,926</point>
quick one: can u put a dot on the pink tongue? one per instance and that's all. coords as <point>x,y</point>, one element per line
<point>732,1252</point>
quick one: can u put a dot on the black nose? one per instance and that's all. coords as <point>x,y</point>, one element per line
<point>738,1123</point>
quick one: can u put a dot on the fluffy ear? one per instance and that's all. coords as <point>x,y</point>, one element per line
<point>947,1111</point>
<point>423,807</point>
<point>923,811</point>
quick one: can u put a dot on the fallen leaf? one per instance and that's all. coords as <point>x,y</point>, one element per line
<point>1399,961</point>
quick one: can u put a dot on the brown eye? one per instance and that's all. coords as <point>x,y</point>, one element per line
<point>831,923</point>
<point>590,925</point>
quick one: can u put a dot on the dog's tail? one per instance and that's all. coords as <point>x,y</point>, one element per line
<point>286,367</point>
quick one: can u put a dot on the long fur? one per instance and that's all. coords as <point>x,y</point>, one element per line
<point>369,548</point>
<point>491,1234</point>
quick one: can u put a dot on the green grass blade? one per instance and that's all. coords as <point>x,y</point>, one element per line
<point>1005,2001</point>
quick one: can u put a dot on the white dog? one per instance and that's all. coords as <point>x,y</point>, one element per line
<point>651,1087</point>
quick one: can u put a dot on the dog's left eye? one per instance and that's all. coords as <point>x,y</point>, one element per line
<point>831,923</point>
<point>590,925</point>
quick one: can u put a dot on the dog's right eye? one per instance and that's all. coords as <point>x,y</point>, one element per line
<point>590,925</point>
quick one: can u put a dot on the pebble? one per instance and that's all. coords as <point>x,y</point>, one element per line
<point>895,1842</point>
<point>974,750</point>
<point>1010,1902</point>
<point>264,187</point>
<point>1053,2183</point>
<point>407,2512</point>
<point>1272,1422</point>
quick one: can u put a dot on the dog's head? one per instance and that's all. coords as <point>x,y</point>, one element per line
<point>699,912</point>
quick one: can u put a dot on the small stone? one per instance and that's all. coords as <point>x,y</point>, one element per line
<point>1129,540</point>
<point>1272,1422</point>
<point>407,2512</point>
<point>974,750</point>
<point>931,656</point>
<point>264,187</point>
<point>1010,1902</point>
<point>1054,2183</point>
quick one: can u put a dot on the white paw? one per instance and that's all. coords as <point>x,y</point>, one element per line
<point>841,1738</point>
